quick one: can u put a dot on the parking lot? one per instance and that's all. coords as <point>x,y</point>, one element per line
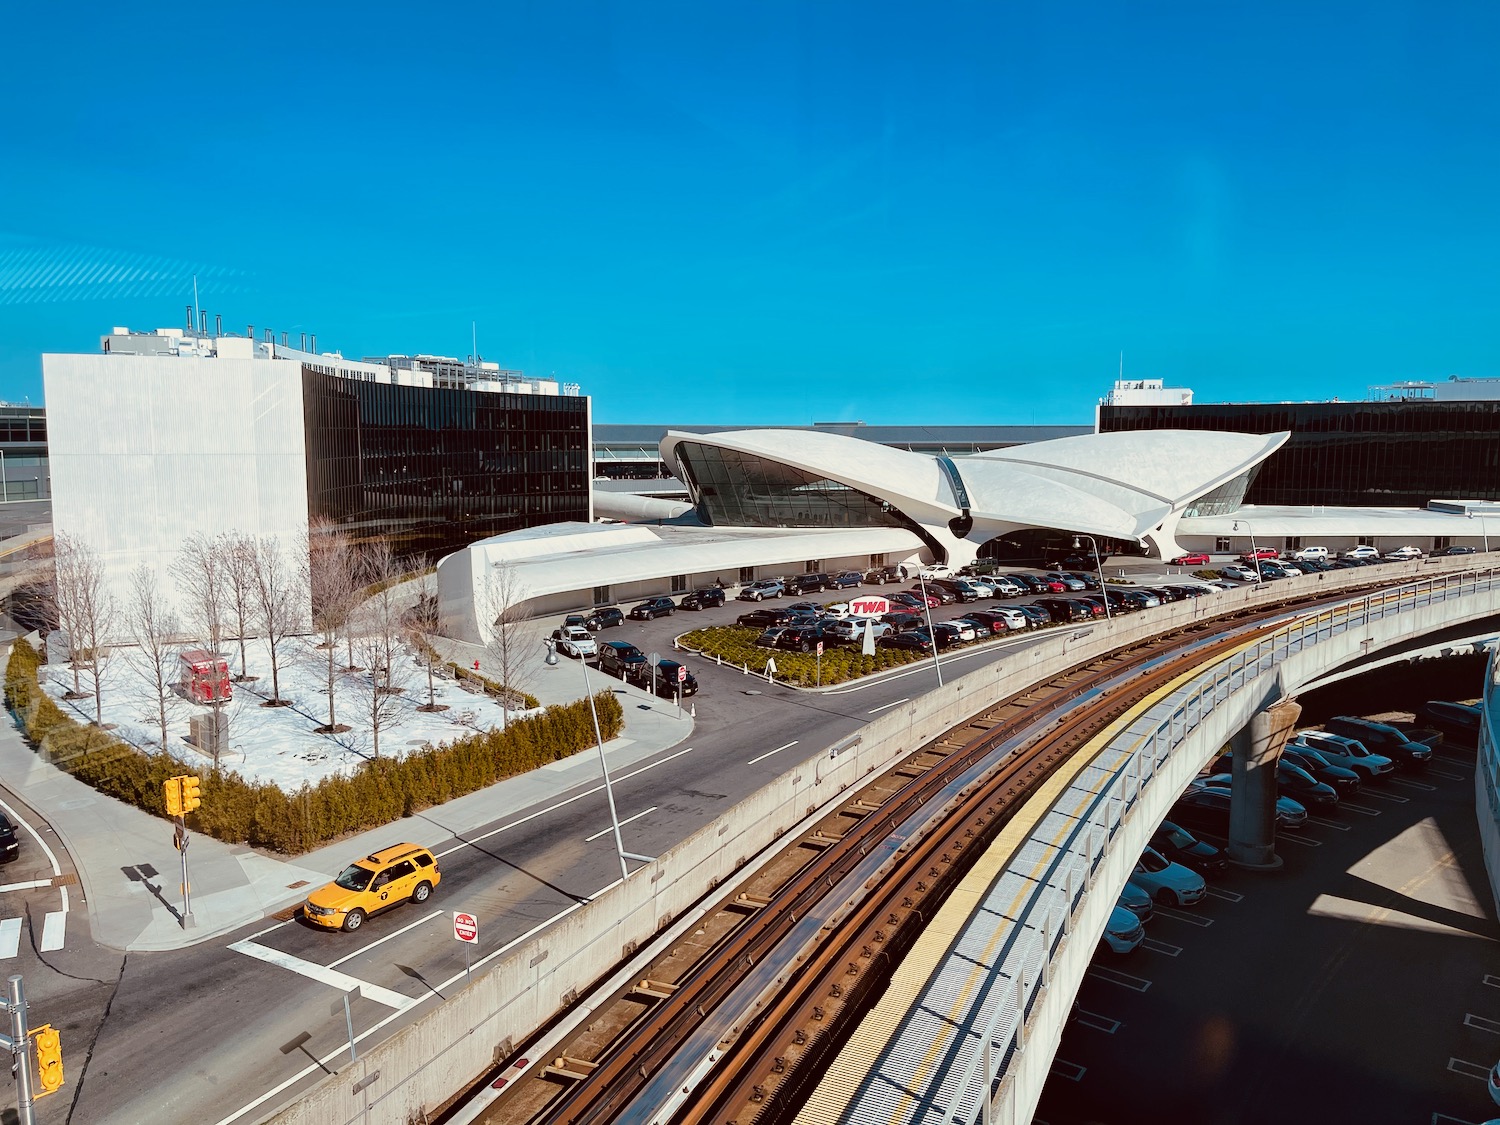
<point>1360,982</point>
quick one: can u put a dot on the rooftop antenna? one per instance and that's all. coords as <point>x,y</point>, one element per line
<point>1122,366</point>
<point>474,330</point>
<point>195,297</point>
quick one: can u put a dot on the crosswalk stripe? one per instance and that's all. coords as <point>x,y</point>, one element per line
<point>52,930</point>
<point>10,937</point>
<point>331,977</point>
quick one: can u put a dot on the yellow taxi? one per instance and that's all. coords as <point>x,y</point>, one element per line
<point>383,879</point>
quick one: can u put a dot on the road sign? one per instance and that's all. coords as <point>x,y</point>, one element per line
<point>820,648</point>
<point>869,606</point>
<point>681,674</point>
<point>466,927</point>
<point>653,658</point>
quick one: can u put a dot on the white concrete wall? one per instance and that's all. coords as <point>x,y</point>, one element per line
<point>148,450</point>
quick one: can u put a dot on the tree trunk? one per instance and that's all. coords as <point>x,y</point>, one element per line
<point>332,722</point>
<point>243,670</point>
<point>431,692</point>
<point>275,677</point>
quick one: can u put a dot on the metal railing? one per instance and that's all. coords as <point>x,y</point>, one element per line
<point>1024,967</point>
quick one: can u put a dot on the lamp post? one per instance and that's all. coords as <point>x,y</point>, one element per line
<point>1254,550</point>
<point>609,792</point>
<point>1099,565</point>
<point>927,609</point>
<point>1484,529</point>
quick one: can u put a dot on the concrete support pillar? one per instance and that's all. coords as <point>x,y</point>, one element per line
<point>1252,814</point>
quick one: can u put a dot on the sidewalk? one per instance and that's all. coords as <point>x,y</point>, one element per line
<point>130,873</point>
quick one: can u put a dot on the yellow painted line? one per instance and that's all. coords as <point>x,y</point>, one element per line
<point>849,1072</point>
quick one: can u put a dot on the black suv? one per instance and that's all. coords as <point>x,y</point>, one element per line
<point>1382,738</point>
<point>666,679</point>
<point>806,583</point>
<point>844,580</point>
<point>702,599</point>
<point>603,618</point>
<point>617,657</point>
<point>10,847</point>
<point>652,608</point>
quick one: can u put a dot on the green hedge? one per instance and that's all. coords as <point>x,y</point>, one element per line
<point>265,816</point>
<point>735,644</point>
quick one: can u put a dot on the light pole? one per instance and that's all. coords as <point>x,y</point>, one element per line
<point>609,792</point>
<point>1254,550</point>
<point>1099,564</point>
<point>1484,529</point>
<point>927,609</point>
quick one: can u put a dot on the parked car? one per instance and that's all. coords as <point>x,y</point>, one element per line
<point>967,630</point>
<point>945,633</point>
<point>1123,932</point>
<point>10,846</point>
<point>1137,901</point>
<point>1259,553</point>
<point>910,601</point>
<point>1034,583</point>
<point>1458,550</point>
<point>1192,558</point>
<point>914,640</point>
<point>1458,721</point>
<point>1036,615</point>
<point>1080,562</point>
<point>1090,581</point>
<point>1304,788</point>
<point>1206,810</point>
<point>1404,554</point>
<point>577,620</point>
<point>851,630</point>
<point>962,589</point>
<point>615,657</point>
<point>986,622</point>
<point>1239,573</point>
<point>1165,881</point>
<point>805,638</point>
<point>605,617</point>
<point>1181,846</point>
<point>1363,551</point>
<point>879,575</point>
<point>575,641</point>
<point>933,598</point>
<point>1382,738</point>
<point>760,589</point>
<point>1309,554</point>
<point>1344,782</point>
<point>1069,583</point>
<point>1012,616</point>
<point>935,570</point>
<point>1289,813</point>
<point>805,583</point>
<point>813,609</point>
<point>664,679</point>
<point>844,580</point>
<point>380,881</point>
<point>705,598</point>
<point>1350,753</point>
<point>1005,586</point>
<point>762,618</point>
<point>1269,569</point>
<point>652,608</point>
<point>1064,610</point>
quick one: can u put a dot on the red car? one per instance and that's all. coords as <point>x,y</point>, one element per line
<point>1260,553</point>
<point>1196,558</point>
<point>932,602</point>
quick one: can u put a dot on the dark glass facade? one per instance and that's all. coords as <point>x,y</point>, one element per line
<point>433,470</point>
<point>1350,454</point>
<point>740,490</point>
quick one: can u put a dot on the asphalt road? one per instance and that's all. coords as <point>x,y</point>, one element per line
<point>1352,985</point>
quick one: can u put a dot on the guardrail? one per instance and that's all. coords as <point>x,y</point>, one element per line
<point>1024,967</point>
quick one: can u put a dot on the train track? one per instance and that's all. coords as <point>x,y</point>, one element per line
<point>733,1022</point>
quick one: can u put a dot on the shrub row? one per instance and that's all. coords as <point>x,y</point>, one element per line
<point>735,644</point>
<point>263,815</point>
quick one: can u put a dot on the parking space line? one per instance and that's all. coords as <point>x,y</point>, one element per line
<point>1096,1021</point>
<point>1387,797</point>
<point>1114,976</point>
<point>627,820</point>
<point>1492,980</point>
<point>1288,838</point>
<point>1468,1069</point>
<point>1479,1023</point>
<point>768,753</point>
<point>1422,785</point>
<point>1364,810</point>
<point>1071,1071</point>
<point>1163,947</point>
<point>1227,896</point>
<point>1442,773</point>
<point>1183,916</point>
<point>1326,823</point>
<point>883,706</point>
<point>1440,1117</point>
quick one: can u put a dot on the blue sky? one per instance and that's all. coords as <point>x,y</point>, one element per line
<point>766,212</point>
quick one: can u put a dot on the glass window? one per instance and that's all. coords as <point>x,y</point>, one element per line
<point>679,583</point>
<point>747,574</point>
<point>1221,543</point>
<point>601,595</point>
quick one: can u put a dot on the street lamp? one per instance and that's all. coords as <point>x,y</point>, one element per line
<point>609,792</point>
<point>1254,550</point>
<point>1484,529</point>
<point>1099,564</point>
<point>931,634</point>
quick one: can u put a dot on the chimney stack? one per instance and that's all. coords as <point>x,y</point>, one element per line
<point>218,324</point>
<point>190,319</point>
<point>303,348</point>
<point>203,322</point>
<point>314,346</point>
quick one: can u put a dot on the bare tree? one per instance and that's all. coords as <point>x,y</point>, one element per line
<point>421,622</point>
<point>277,590</point>
<point>237,554</point>
<point>153,624</point>
<point>331,586</point>
<point>376,640</point>
<point>201,574</point>
<point>86,611</point>
<point>514,640</point>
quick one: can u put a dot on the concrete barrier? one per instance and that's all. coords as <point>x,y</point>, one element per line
<point>405,1077</point>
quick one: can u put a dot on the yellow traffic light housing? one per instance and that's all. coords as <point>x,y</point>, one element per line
<point>172,790</point>
<point>190,797</point>
<point>49,1068</point>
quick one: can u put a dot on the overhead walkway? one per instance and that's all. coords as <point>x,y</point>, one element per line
<point>977,1007</point>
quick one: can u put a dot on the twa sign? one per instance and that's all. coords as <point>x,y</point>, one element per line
<point>868,607</point>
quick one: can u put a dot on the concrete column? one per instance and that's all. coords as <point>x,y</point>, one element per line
<point>1252,814</point>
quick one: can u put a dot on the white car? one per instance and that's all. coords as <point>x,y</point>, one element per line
<point>576,642</point>
<point>1166,881</point>
<point>1363,551</point>
<point>936,570</point>
<point>1239,573</point>
<point>1013,618</point>
<point>1123,932</point>
<point>1404,554</point>
<point>966,630</point>
<point>1310,554</point>
<point>837,610</point>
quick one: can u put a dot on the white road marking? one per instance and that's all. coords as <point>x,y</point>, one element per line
<point>1064,1069</point>
<point>1362,809</point>
<point>324,975</point>
<point>1114,976</point>
<point>1444,774</point>
<point>1096,1021</point>
<point>1326,823</point>
<point>1439,1117</point>
<point>17,818</point>
<point>381,941</point>
<point>1422,785</point>
<point>1468,1069</point>
<point>10,937</point>
<point>31,886</point>
<point>1479,1023</point>
<point>1288,838</point>
<point>1183,916</point>
<point>1164,947</point>
<point>768,753</point>
<point>1387,797</point>
<point>53,930</point>
<point>615,779</point>
<point>627,820</point>
<point>1492,980</point>
<point>1227,896</point>
<point>883,706</point>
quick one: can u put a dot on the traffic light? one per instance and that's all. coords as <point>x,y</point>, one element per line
<point>49,1072</point>
<point>190,798</point>
<point>172,788</point>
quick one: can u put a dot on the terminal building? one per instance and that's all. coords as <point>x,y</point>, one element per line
<point>166,434</point>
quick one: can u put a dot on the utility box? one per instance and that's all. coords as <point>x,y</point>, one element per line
<point>204,676</point>
<point>210,732</point>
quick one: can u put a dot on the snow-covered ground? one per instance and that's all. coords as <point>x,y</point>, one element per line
<point>280,744</point>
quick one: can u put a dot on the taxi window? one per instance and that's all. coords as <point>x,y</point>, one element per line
<point>401,870</point>
<point>424,860</point>
<point>354,877</point>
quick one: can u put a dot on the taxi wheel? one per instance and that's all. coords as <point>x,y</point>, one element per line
<point>422,893</point>
<point>353,920</point>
